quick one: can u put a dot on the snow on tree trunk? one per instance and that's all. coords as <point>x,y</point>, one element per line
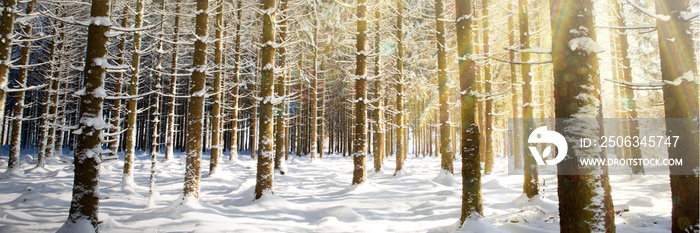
<point>7,23</point>
<point>472,206</point>
<point>676,48</point>
<point>155,133</point>
<point>530,183</point>
<point>488,102</point>
<point>446,153</point>
<point>378,136</point>
<point>21,81</point>
<point>233,150</point>
<point>216,141</point>
<point>117,105</point>
<point>623,63</point>
<point>195,115</point>
<point>170,133</point>
<point>132,103</point>
<point>313,106</point>
<point>359,149</point>
<point>84,204</point>
<point>400,147</point>
<point>515,82</point>
<point>47,105</point>
<point>280,86</point>
<point>585,204</point>
<point>264,175</point>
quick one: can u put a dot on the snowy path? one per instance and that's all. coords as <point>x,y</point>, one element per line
<point>312,197</point>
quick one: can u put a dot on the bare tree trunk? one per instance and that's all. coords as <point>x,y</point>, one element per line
<point>359,151</point>
<point>472,206</point>
<point>195,115</point>
<point>85,200</point>
<point>585,204</point>
<point>676,49</point>
<point>263,184</point>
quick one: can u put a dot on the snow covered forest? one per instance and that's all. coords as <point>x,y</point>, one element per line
<point>341,115</point>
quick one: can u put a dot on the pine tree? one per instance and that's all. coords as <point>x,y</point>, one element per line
<point>7,23</point>
<point>472,206</point>
<point>530,183</point>
<point>400,147</point>
<point>233,150</point>
<point>170,133</point>
<point>359,148</point>
<point>132,102</point>
<point>378,137</point>
<point>195,115</point>
<point>676,49</point>
<point>266,162</point>
<point>15,140</point>
<point>280,86</point>
<point>488,86</point>
<point>585,204</point>
<point>217,97</point>
<point>85,200</point>
<point>446,152</point>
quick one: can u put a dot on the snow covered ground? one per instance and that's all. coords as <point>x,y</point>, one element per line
<point>314,196</point>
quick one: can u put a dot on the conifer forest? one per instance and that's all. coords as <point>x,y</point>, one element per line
<point>349,116</point>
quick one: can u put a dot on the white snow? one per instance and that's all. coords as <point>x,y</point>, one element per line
<point>586,44</point>
<point>311,197</point>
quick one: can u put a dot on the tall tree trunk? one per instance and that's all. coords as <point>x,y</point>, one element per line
<point>155,124</point>
<point>400,147</point>
<point>233,151</point>
<point>530,182</point>
<point>629,104</point>
<point>85,200</point>
<point>676,48</point>
<point>472,206</point>
<point>314,88</point>
<point>265,173</point>
<point>195,115</point>
<point>585,204</point>
<point>18,110</point>
<point>216,141</point>
<point>132,102</point>
<point>515,82</point>
<point>446,152</point>
<point>280,139</point>
<point>49,104</point>
<point>378,137</point>
<point>117,104</point>
<point>170,134</point>
<point>359,149</point>
<point>7,23</point>
<point>488,86</point>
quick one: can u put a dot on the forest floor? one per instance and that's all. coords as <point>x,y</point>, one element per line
<point>314,196</point>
